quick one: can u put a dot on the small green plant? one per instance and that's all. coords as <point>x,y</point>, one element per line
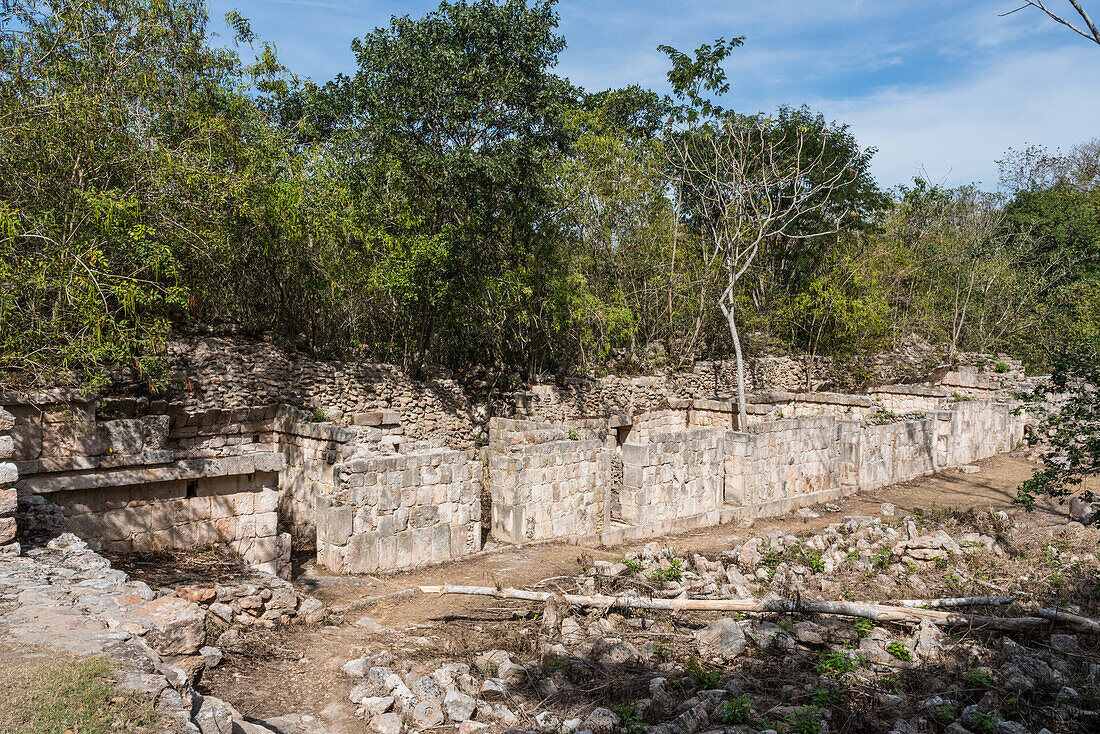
<point>317,416</point>
<point>737,710</point>
<point>836,664</point>
<point>573,434</point>
<point>829,696</point>
<point>900,651</point>
<point>978,678</point>
<point>1000,368</point>
<point>674,572</point>
<point>633,565</point>
<point>660,650</point>
<point>981,723</point>
<point>804,720</point>
<point>704,677</point>
<point>863,628</point>
<point>945,712</point>
<point>882,416</point>
<point>958,397</point>
<point>815,560</point>
<point>631,720</point>
<point>954,581</point>
<point>553,665</point>
<point>882,559</point>
<point>941,562</point>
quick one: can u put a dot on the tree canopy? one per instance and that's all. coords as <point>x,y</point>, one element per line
<point>453,200</point>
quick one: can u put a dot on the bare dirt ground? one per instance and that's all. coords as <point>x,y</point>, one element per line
<point>299,669</point>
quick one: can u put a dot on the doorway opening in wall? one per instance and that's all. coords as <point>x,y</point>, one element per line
<point>192,489</point>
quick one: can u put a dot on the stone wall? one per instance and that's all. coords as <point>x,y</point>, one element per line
<point>671,476</point>
<point>790,458</point>
<point>8,476</point>
<point>658,421</point>
<point>895,452</point>
<point>399,511</point>
<point>508,433</point>
<point>550,490</point>
<point>973,430</point>
<point>230,374</point>
<point>312,451</point>
<point>799,405</point>
<point>904,399</point>
<point>237,511</point>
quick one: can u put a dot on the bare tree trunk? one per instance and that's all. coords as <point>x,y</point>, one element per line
<point>742,411</point>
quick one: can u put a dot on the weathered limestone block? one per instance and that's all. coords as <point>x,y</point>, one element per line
<point>72,438</point>
<point>172,626</point>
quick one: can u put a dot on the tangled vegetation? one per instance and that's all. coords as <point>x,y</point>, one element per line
<point>454,201</point>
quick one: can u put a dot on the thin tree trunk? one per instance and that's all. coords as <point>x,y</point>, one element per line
<point>742,410</point>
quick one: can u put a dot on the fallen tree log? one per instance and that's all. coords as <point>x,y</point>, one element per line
<point>875,612</point>
<point>955,601</point>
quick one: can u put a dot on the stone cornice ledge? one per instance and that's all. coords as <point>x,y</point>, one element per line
<point>100,478</point>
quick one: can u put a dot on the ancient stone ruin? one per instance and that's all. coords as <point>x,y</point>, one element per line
<point>380,476</point>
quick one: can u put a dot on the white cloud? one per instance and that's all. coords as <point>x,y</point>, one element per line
<point>958,129</point>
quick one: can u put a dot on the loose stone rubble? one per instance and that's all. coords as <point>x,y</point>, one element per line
<point>64,595</point>
<point>694,672</point>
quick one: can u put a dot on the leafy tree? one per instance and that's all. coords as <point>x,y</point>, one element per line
<point>1069,404</point>
<point>747,182</point>
<point>457,119</point>
<point>107,186</point>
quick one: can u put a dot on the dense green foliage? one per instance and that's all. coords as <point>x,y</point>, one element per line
<point>1069,404</point>
<point>454,201</point>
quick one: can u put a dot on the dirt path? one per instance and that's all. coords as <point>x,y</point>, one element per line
<point>299,669</point>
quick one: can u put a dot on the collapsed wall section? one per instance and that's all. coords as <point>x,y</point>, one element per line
<point>399,511</point>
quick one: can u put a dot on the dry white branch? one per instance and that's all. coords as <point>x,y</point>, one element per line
<point>1044,618</point>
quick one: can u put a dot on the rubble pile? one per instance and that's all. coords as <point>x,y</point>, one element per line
<point>603,669</point>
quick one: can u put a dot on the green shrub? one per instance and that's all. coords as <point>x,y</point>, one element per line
<point>836,664</point>
<point>804,720</point>
<point>978,678</point>
<point>674,572</point>
<point>631,720</point>
<point>900,651</point>
<point>738,710</point>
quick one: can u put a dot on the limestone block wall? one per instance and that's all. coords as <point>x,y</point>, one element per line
<point>52,425</point>
<point>550,490</point>
<point>718,415</point>
<point>508,433</point>
<point>8,476</point>
<point>389,512</point>
<point>902,399</point>
<point>312,452</point>
<point>790,458</point>
<point>672,476</point>
<point>973,430</point>
<point>239,511</point>
<point>658,421</point>
<point>895,452</point>
<point>781,405</point>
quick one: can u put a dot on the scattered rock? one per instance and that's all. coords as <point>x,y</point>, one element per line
<point>722,639</point>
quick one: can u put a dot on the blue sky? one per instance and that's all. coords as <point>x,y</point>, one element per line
<point>942,87</point>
